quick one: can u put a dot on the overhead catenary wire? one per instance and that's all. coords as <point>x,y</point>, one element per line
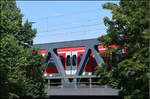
<point>83,34</point>
<point>69,23</point>
<point>74,27</point>
<point>64,24</point>
<point>77,32</point>
<point>62,15</point>
<point>68,28</point>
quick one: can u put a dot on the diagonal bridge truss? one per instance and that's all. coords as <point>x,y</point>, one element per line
<point>91,47</point>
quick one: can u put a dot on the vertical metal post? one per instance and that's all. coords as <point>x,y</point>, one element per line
<point>49,84</point>
<point>90,82</point>
<point>106,86</point>
<point>78,82</point>
<point>62,83</point>
<point>75,82</point>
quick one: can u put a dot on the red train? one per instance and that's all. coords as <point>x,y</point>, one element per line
<point>70,58</point>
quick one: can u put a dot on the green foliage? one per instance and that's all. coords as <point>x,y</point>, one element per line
<point>11,23</point>
<point>21,70</point>
<point>27,34</point>
<point>35,82</point>
<point>14,62</point>
<point>128,28</point>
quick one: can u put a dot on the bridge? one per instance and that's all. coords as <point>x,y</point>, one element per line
<point>88,86</point>
<point>75,85</point>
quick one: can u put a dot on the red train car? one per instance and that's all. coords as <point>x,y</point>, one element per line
<point>70,58</point>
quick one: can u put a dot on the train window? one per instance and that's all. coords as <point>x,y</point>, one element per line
<point>62,59</point>
<point>74,59</point>
<point>51,62</point>
<point>68,62</point>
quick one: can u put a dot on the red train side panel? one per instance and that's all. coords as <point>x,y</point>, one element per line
<point>78,52</point>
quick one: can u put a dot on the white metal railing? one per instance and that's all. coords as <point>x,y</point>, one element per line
<point>83,82</point>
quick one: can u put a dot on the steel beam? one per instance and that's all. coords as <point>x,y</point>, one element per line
<point>90,47</point>
<point>83,61</point>
<point>96,55</point>
<point>59,65</point>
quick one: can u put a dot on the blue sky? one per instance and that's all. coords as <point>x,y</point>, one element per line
<point>58,21</point>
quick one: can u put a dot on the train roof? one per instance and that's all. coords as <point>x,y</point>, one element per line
<point>67,44</point>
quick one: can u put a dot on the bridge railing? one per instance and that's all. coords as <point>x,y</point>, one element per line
<point>80,82</point>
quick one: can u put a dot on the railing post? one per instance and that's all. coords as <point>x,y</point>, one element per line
<point>75,82</point>
<point>62,81</point>
<point>90,82</point>
<point>49,83</point>
<point>106,86</point>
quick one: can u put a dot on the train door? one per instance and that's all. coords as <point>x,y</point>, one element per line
<point>62,58</point>
<point>68,63</point>
<point>74,62</point>
<point>71,62</point>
